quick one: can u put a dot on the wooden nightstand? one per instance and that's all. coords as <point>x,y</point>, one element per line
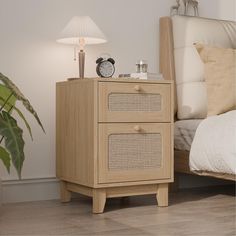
<point>114,138</point>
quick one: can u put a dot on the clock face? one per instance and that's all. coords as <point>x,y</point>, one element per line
<point>106,69</point>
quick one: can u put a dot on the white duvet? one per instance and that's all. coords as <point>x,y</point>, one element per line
<point>214,145</point>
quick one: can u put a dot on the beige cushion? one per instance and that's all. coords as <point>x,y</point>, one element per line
<point>220,77</point>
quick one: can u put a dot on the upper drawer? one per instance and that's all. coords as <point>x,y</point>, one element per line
<point>134,102</point>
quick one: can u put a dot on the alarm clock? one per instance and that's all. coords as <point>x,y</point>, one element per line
<point>105,67</point>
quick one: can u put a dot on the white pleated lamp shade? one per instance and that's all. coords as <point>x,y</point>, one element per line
<point>81,27</point>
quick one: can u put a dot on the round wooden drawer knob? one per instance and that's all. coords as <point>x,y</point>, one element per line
<point>137,88</point>
<point>137,128</point>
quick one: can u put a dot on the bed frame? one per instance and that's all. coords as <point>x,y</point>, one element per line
<point>167,68</point>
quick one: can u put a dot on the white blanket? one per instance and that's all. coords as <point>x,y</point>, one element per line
<point>214,145</point>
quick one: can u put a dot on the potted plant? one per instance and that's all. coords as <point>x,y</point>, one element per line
<point>11,135</point>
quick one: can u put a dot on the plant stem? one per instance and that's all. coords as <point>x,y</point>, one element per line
<point>10,109</point>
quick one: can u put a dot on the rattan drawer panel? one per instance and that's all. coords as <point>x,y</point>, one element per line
<point>133,102</point>
<point>134,151</point>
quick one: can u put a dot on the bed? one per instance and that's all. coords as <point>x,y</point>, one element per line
<point>177,34</point>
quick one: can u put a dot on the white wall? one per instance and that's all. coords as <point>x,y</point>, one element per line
<point>227,9</point>
<point>30,56</point>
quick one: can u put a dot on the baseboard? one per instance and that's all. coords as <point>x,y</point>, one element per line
<point>30,190</point>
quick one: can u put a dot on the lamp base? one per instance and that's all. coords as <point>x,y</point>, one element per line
<point>71,79</point>
<point>81,64</point>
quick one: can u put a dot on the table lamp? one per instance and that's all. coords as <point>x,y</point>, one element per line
<point>81,30</point>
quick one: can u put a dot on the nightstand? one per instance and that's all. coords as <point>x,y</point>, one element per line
<point>114,138</point>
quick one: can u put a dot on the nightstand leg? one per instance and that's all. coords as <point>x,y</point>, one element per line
<point>162,195</point>
<point>99,200</point>
<point>65,194</point>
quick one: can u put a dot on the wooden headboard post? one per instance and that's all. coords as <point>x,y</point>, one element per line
<point>166,51</point>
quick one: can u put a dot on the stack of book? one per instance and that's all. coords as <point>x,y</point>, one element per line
<point>151,76</point>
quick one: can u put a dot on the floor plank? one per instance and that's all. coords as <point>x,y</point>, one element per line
<point>205,211</point>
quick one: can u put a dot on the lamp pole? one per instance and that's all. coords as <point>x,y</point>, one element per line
<point>81,58</point>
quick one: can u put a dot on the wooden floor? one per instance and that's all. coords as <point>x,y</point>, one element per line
<point>193,212</point>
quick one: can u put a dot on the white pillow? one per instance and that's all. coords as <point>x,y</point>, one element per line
<point>191,89</point>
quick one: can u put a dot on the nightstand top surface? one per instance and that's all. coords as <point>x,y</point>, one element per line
<point>127,80</point>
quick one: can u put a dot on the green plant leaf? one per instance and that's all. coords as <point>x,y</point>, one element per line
<point>14,142</point>
<point>19,95</point>
<point>5,157</point>
<point>25,121</point>
<point>5,93</point>
<point>21,116</point>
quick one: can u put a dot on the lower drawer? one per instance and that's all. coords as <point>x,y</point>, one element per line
<point>134,152</point>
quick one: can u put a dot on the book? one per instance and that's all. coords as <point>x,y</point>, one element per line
<point>151,76</point>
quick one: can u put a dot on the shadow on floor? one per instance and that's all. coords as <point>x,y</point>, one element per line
<point>196,194</point>
<point>177,197</point>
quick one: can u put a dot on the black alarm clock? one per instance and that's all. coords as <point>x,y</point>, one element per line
<point>105,67</point>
